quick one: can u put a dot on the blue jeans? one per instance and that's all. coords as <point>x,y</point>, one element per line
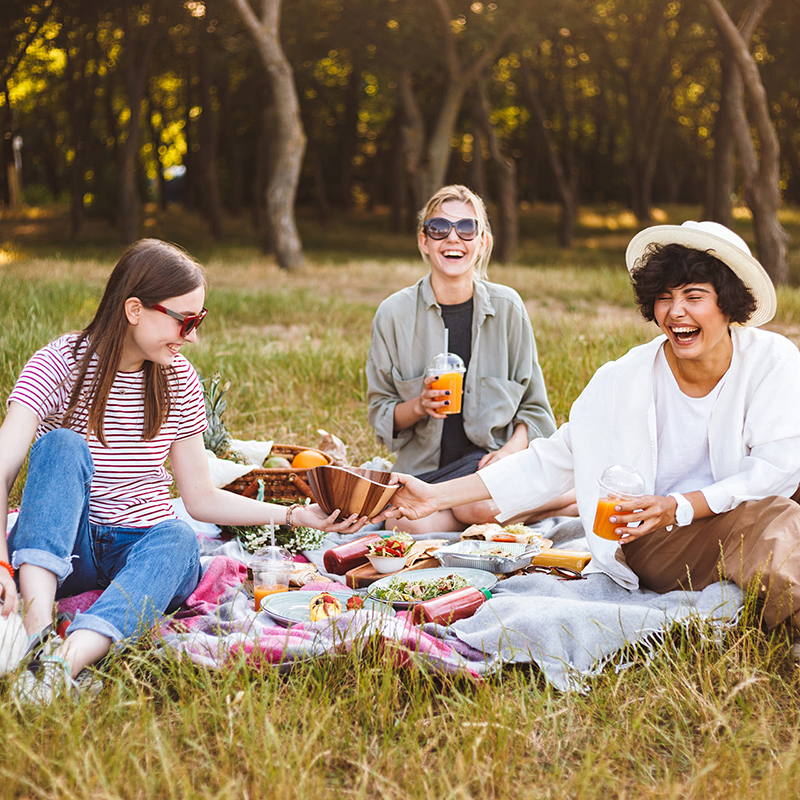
<point>143,571</point>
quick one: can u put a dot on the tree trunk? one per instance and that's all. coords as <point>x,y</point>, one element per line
<point>155,138</point>
<point>507,238</point>
<point>208,135</point>
<point>566,177</point>
<point>412,137</point>
<point>81,90</point>
<point>719,207</point>
<point>135,68</point>
<point>432,168</point>
<point>761,171</point>
<point>289,139</point>
<point>402,217</point>
<point>347,138</point>
<point>437,152</point>
<point>644,160</point>
<point>234,156</point>
<point>320,192</point>
<point>476,171</point>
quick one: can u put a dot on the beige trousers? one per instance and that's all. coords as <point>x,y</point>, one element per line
<point>756,541</point>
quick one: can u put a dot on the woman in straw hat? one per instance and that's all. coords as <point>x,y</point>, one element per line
<point>708,413</point>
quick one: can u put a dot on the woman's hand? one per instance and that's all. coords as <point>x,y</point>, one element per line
<point>314,517</point>
<point>517,442</point>
<point>433,402</point>
<point>496,455</point>
<point>413,500</point>
<point>8,593</point>
<point>653,511</point>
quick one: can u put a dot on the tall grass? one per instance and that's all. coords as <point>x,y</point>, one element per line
<point>690,718</point>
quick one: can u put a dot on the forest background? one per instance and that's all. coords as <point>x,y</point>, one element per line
<point>258,107</point>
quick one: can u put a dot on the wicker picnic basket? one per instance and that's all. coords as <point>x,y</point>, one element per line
<point>279,484</point>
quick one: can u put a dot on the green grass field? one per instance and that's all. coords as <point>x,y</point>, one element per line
<point>694,720</point>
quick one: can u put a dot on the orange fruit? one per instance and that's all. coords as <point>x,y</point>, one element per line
<point>306,459</point>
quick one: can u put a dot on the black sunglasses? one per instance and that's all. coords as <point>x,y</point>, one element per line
<point>439,228</point>
<point>189,322</point>
<point>564,573</point>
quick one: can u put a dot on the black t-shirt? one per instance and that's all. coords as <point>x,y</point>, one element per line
<point>458,321</point>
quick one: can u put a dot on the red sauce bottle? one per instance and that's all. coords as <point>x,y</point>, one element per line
<point>339,560</point>
<point>447,608</point>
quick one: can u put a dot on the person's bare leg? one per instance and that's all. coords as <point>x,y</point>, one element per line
<point>486,511</point>
<point>82,648</point>
<point>440,521</point>
<point>476,513</point>
<point>37,586</point>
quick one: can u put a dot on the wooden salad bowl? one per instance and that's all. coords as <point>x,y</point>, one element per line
<point>352,490</point>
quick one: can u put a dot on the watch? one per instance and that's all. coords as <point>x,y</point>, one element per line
<point>684,513</point>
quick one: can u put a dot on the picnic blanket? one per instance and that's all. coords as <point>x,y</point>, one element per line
<point>570,629</point>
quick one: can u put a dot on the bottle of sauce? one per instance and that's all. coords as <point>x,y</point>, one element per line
<point>339,560</point>
<point>449,607</point>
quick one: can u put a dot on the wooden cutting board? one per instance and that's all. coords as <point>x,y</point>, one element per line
<point>365,575</point>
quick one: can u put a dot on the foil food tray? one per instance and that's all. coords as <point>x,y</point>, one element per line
<point>472,554</point>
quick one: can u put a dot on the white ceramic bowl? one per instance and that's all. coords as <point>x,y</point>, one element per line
<point>387,564</point>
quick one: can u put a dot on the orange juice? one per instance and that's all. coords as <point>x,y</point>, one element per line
<point>454,383</point>
<point>602,527</point>
<point>262,591</point>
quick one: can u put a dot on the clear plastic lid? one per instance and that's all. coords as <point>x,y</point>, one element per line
<point>446,362</point>
<point>272,553</point>
<point>622,480</point>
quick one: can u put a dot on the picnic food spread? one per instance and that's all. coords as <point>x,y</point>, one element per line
<point>324,605</point>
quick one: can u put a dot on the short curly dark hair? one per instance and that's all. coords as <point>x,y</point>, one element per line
<point>667,266</point>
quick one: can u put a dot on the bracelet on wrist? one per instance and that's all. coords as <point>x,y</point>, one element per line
<point>8,567</point>
<point>289,513</point>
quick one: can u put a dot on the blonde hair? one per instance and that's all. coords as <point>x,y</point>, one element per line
<point>460,194</point>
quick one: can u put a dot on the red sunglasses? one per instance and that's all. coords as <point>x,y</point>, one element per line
<point>189,322</point>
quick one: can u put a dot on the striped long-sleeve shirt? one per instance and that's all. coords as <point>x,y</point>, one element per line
<point>130,487</point>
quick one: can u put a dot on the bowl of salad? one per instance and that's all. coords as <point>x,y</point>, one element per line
<point>390,553</point>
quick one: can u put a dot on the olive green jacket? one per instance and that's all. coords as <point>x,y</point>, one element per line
<point>503,386</point>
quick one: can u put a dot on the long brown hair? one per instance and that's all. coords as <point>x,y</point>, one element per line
<point>152,271</point>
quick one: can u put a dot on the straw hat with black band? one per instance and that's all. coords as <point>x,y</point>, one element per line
<point>720,242</point>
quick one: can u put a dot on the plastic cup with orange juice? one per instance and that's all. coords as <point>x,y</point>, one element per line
<point>617,483</point>
<point>448,369</point>
<point>271,569</point>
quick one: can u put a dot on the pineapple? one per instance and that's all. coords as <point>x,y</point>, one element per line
<point>216,437</point>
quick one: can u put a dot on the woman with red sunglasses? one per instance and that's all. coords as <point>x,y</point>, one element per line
<point>106,406</point>
<point>504,401</point>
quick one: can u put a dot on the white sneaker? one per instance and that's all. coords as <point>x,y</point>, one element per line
<point>45,680</point>
<point>13,643</point>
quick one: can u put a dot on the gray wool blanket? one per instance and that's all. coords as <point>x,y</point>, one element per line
<point>572,629</point>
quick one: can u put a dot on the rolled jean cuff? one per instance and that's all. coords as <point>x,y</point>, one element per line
<point>91,622</point>
<point>60,567</point>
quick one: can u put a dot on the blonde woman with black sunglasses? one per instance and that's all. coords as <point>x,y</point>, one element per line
<point>504,403</point>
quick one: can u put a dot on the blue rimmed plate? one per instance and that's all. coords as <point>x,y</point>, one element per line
<point>291,608</point>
